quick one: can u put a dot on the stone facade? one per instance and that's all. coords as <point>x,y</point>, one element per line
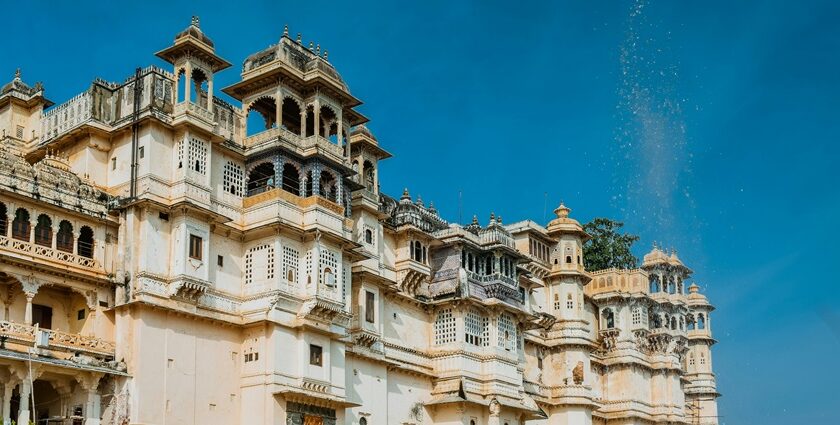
<point>164,261</point>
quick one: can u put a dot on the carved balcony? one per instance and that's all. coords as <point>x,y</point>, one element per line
<point>16,247</point>
<point>22,334</point>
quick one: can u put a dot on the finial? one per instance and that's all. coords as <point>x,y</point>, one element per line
<point>326,54</point>
<point>475,220</point>
<point>492,218</point>
<point>318,49</point>
<point>17,74</point>
<point>286,30</point>
<point>194,21</point>
<point>405,195</point>
<point>298,39</point>
<point>562,211</point>
<point>311,45</point>
<point>499,219</point>
<point>419,201</point>
<point>432,207</point>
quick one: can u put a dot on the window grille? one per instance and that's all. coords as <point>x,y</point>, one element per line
<point>444,327</point>
<point>570,304</point>
<point>507,332</point>
<point>329,268</point>
<point>477,329</point>
<point>259,263</point>
<point>637,316</point>
<point>198,156</point>
<point>291,260</point>
<point>233,179</point>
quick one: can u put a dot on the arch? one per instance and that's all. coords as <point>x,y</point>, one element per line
<point>329,277</point>
<point>689,322</point>
<point>673,323</point>
<point>363,421</point>
<point>655,320</point>
<point>290,179</point>
<point>568,259</point>
<point>290,114</point>
<point>21,225</point>
<point>181,85</point>
<point>43,230</point>
<point>4,220</point>
<point>307,190</point>
<point>64,237</point>
<point>199,81</point>
<point>368,236</point>
<point>328,128</point>
<point>370,178</point>
<point>261,178</point>
<point>672,287</point>
<point>701,322</point>
<point>84,246</point>
<point>264,116</point>
<point>328,186</point>
<point>654,284</point>
<point>309,122</point>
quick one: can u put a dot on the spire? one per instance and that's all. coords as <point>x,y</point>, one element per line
<point>17,74</point>
<point>405,196</point>
<point>286,30</point>
<point>419,201</point>
<point>562,211</point>
<point>194,21</point>
<point>326,54</point>
<point>299,38</point>
<point>492,218</point>
<point>475,220</point>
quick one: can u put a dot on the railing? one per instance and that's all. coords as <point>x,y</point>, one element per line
<point>491,278</point>
<point>193,109</point>
<point>66,116</point>
<point>64,340</point>
<point>495,236</point>
<point>48,252</point>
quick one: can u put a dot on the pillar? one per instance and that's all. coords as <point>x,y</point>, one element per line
<point>25,396</point>
<point>187,82</point>
<point>278,109</point>
<point>210,93</point>
<point>303,122</point>
<point>27,315</point>
<point>89,383</point>
<point>316,179</point>
<point>339,135</point>
<point>8,386</point>
<point>316,122</point>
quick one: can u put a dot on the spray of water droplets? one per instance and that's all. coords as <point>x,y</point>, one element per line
<point>652,157</point>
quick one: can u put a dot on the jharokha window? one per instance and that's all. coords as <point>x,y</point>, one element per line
<point>20,225</point>
<point>316,355</point>
<point>64,237</point>
<point>370,302</point>
<point>195,247</point>
<point>43,231</point>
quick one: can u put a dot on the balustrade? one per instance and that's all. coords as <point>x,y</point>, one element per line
<point>22,333</point>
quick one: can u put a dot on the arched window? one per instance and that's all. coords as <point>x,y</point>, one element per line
<point>609,318</point>
<point>182,85</point>
<point>85,242</point>
<point>689,322</point>
<point>4,220</point>
<point>64,237</point>
<point>291,115</point>
<point>568,259</point>
<point>261,179</point>
<point>20,225</point>
<point>291,179</point>
<point>369,180</point>
<point>43,231</point>
<point>557,301</point>
<point>261,116</point>
<point>198,93</point>
<point>368,236</point>
<point>570,304</point>
<point>655,321</point>
<point>672,288</point>
<point>701,322</point>
<point>673,323</point>
<point>327,187</point>
<point>329,277</point>
<point>363,421</point>
<point>654,284</point>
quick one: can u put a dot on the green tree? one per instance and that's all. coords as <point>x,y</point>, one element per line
<point>608,247</point>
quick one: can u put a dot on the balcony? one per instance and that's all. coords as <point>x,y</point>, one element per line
<point>302,146</point>
<point>17,247</point>
<point>19,333</point>
<point>307,212</point>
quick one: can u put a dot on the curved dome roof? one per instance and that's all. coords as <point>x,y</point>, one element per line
<point>362,129</point>
<point>194,31</point>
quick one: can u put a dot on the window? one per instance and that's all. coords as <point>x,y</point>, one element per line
<point>315,355</point>
<point>370,301</point>
<point>444,327</point>
<point>417,251</point>
<point>4,220</point>
<point>291,258</point>
<point>477,329</point>
<point>19,132</point>
<point>368,236</point>
<point>251,357</point>
<point>43,231</point>
<point>570,304</point>
<point>20,225</point>
<point>363,421</point>
<point>259,264</point>
<point>195,247</point>
<point>220,261</point>
<point>637,316</point>
<point>507,333</point>
<point>114,163</point>
<point>233,179</point>
<point>64,238</point>
<point>163,216</point>
<point>198,155</point>
<point>609,318</point>
<point>142,152</point>
<point>80,315</point>
<point>568,259</point>
<point>557,301</point>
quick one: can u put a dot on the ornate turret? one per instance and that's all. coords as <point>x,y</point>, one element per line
<point>20,125</point>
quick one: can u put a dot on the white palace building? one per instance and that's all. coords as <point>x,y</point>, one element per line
<point>163,263</point>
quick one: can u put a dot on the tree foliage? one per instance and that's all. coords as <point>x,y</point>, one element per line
<point>608,247</point>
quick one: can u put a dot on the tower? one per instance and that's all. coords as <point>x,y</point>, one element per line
<point>194,60</point>
<point>21,108</point>
<point>701,391</point>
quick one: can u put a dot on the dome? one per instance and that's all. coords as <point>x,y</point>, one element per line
<point>362,129</point>
<point>564,224</point>
<point>656,255</point>
<point>18,85</point>
<point>195,32</point>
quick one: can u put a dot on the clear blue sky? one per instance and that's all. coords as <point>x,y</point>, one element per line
<point>709,126</point>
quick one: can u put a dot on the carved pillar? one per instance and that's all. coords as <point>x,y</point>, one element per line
<point>316,122</point>
<point>76,233</point>
<point>278,108</point>
<point>90,383</point>
<point>8,386</point>
<point>25,391</point>
<point>187,82</point>
<point>303,122</point>
<point>33,221</point>
<point>316,179</point>
<point>278,170</point>
<point>65,391</point>
<point>210,93</point>
<point>27,314</point>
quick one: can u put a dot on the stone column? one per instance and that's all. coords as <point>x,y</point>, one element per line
<point>54,239</point>
<point>278,109</point>
<point>303,122</point>
<point>339,127</point>
<point>188,82</point>
<point>316,122</point>
<point>27,315</point>
<point>210,93</point>
<point>8,386</point>
<point>33,221</point>
<point>89,383</point>
<point>316,180</point>
<point>25,396</point>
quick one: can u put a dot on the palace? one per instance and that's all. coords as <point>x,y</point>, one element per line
<point>169,257</point>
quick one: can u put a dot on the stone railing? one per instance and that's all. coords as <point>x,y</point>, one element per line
<point>193,109</point>
<point>47,252</point>
<point>495,236</point>
<point>66,116</point>
<point>323,144</point>
<point>57,339</point>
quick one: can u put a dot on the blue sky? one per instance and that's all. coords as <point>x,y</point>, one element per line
<point>715,134</point>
